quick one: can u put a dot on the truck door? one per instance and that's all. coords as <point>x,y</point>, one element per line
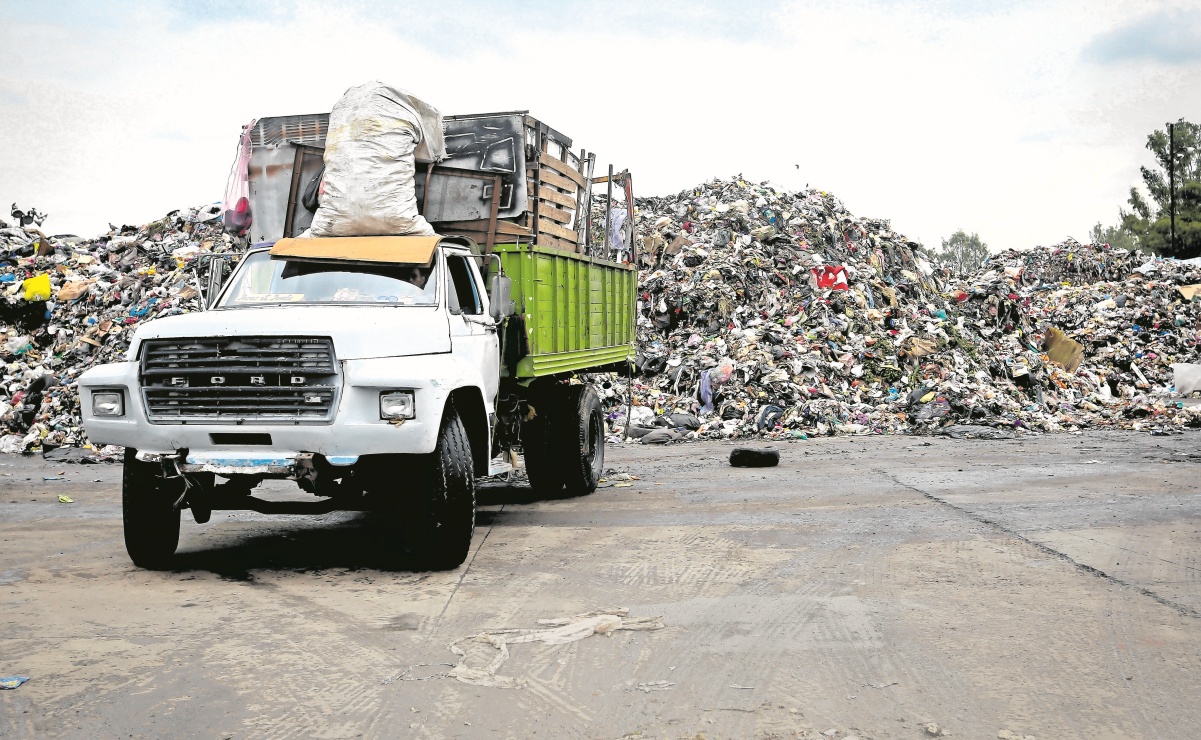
<point>472,330</point>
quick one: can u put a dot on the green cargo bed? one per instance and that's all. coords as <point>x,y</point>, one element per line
<point>578,311</point>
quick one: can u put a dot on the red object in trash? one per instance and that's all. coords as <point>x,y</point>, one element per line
<point>831,276</point>
<point>237,219</point>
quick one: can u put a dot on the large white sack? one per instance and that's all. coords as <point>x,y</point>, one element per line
<point>376,133</point>
<point>1186,376</point>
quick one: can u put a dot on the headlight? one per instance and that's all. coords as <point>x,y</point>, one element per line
<point>108,403</point>
<point>397,405</point>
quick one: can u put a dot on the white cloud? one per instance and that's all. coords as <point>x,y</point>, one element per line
<point>997,121</point>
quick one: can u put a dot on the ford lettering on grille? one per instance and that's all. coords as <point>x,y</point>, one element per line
<point>235,379</point>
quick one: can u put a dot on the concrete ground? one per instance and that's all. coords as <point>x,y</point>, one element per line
<point>866,587</point>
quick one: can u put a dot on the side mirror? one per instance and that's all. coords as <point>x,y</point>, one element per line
<point>218,268</point>
<point>498,298</point>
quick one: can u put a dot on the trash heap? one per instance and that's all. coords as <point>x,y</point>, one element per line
<point>68,303</point>
<point>1109,325</point>
<point>771,313</point>
<point>761,313</point>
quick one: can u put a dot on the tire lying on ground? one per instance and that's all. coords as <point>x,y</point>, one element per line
<point>148,513</point>
<point>749,457</point>
<point>440,516</point>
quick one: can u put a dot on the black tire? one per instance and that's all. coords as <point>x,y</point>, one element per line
<point>751,457</point>
<point>148,513</point>
<point>538,435</point>
<point>583,424</point>
<point>440,520</point>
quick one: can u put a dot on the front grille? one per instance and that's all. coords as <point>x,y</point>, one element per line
<point>236,379</point>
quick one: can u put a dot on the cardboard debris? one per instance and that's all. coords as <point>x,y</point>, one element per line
<point>1067,352</point>
<point>394,249</point>
<point>1189,292</point>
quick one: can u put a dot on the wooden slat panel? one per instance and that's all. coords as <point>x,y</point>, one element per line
<point>554,196</point>
<point>550,178</point>
<point>562,168</point>
<point>554,214</point>
<point>553,229</point>
<point>550,242</point>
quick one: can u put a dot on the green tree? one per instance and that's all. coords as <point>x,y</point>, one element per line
<point>962,251</point>
<point>1188,225</point>
<point>1115,236</point>
<point>1146,214</point>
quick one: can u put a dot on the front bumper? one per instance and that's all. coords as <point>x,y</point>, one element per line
<point>355,430</point>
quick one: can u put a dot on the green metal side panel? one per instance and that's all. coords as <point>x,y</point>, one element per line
<point>578,311</point>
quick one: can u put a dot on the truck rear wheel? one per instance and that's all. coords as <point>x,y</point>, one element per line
<point>538,435</point>
<point>148,513</point>
<point>441,518</point>
<point>584,435</point>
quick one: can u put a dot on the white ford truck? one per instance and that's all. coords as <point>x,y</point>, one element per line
<point>375,372</point>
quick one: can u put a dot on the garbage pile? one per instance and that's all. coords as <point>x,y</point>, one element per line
<point>68,303</point>
<point>771,313</point>
<point>1111,326</point>
<point>761,313</point>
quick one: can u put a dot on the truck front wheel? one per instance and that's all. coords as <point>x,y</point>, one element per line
<point>441,519</point>
<point>148,512</point>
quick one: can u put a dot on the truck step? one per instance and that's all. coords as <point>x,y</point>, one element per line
<point>498,467</point>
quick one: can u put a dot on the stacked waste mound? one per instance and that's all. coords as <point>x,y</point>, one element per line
<point>1108,326</point>
<point>774,313</point>
<point>1068,262</point>
<point>68,303</point>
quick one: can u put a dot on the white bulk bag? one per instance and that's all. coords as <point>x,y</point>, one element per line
<point>376,135</point>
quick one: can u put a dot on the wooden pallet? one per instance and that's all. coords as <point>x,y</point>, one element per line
<point>557,191</point>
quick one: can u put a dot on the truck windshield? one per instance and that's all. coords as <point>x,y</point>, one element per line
<point>263,280</point>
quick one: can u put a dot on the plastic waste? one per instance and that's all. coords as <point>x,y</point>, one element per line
<point>37,288</point>
<point>237,187</point>
<point>1186,378</point>
<point>12,682</point>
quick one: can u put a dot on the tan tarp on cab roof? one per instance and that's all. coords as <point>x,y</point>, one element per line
<point>407,249</point>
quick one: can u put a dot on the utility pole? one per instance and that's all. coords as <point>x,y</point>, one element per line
<point>1172,184</point>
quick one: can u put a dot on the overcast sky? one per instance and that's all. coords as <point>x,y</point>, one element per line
<point>1023,121</point>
